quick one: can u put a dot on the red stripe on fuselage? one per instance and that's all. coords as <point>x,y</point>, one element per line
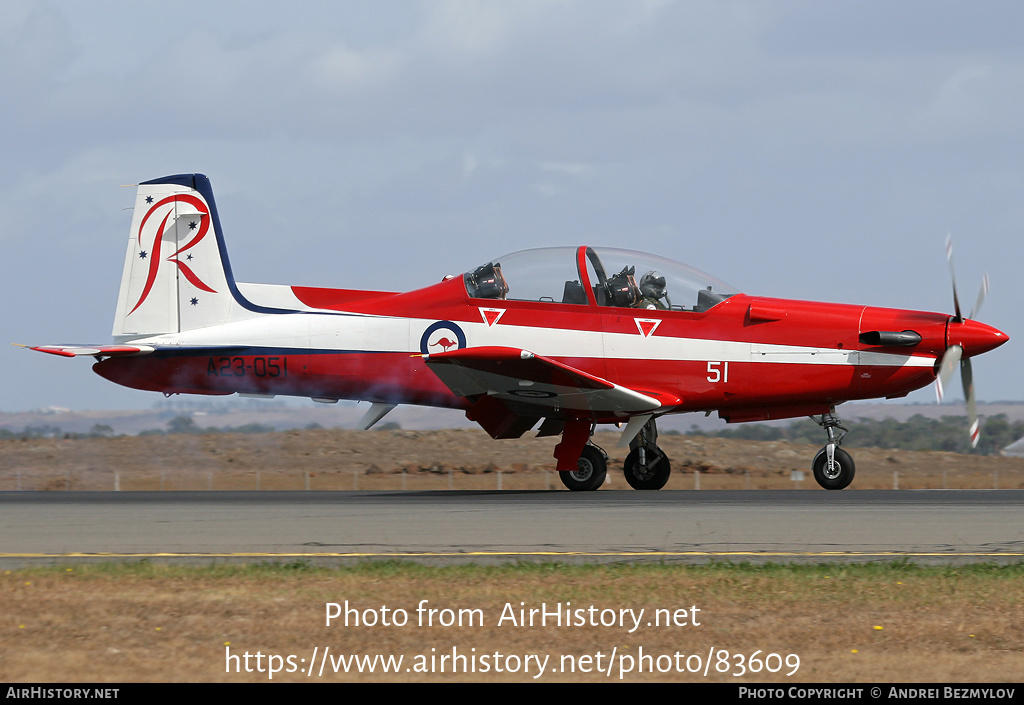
<point>403,378</point>
<point>334,299</point>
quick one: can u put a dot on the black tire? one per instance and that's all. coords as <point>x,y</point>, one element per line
<point>592,468</point>
<point>653,477</point>
<point>842,478</point>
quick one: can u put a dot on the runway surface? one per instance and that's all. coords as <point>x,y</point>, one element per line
<point>927,526</point>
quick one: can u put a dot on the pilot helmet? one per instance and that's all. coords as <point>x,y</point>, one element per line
<point>652,285</point>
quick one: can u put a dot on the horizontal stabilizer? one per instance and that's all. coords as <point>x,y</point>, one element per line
<point>92,350</point>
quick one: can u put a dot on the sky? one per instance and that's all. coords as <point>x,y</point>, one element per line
<point>805,150</point>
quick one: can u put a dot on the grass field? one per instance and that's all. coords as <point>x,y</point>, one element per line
<point>893,622</point>
<point>460,459</point>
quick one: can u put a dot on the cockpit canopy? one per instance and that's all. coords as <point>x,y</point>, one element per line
<point>596,275</point>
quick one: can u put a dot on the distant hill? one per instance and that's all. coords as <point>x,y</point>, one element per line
<point>1014,411</point>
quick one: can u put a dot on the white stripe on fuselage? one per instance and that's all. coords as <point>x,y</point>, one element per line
<point>365,333</point>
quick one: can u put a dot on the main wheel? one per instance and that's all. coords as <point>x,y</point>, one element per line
<point>653,476</point>
<point>839,476</point>
<point>591,470</point>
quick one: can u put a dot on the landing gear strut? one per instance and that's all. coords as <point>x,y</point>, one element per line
<point>646,467</point>
<point>832,466</point>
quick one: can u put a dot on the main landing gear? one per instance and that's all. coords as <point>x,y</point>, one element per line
<point>833,467</point>
<point>646,467</point>
<point>591,470</point>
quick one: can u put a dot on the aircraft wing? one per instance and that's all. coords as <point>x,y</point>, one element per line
<point>522,378</point>
<point>92,350</point>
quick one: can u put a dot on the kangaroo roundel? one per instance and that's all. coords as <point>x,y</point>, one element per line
<point>442,337</point>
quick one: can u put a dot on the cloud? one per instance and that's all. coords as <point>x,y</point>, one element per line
<point>744,136</point>
<point>343,68</point>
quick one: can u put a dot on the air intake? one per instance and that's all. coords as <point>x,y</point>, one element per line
<point>888,338</point>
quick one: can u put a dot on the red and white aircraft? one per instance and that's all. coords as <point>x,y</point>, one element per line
<point>563,337</point>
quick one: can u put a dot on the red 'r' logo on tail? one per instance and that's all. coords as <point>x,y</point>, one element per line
<point>155,261</point>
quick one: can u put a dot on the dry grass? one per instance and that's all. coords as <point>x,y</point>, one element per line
<point>457,459</point>
<point>856,623</point>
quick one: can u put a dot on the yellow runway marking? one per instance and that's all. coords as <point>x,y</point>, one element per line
<point>545,554</point>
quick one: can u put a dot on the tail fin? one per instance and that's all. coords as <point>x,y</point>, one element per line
<point>176,272</point>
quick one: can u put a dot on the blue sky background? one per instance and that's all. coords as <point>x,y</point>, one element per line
<point>798,149</point>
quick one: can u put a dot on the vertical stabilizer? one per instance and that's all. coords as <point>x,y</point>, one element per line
<point>176,275</point>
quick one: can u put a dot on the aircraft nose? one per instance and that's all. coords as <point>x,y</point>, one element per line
<point>975,338</point>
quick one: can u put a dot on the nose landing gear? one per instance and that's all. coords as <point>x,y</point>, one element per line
<point>832,466</point>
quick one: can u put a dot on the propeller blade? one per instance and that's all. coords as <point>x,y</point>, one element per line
<point>949,359</point>
<point>954,354</point>
<point>952,275</point>
<point>981,297</point>
<point>967,377</point>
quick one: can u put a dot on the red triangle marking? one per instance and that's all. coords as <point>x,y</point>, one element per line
<point>491,315</point>
<point>647,326</point>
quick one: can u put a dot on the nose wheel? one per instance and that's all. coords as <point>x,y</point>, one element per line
<point>834,474</point>
<point>833,467</point>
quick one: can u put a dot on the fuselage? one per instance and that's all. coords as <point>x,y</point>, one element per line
<point>747,357</point>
